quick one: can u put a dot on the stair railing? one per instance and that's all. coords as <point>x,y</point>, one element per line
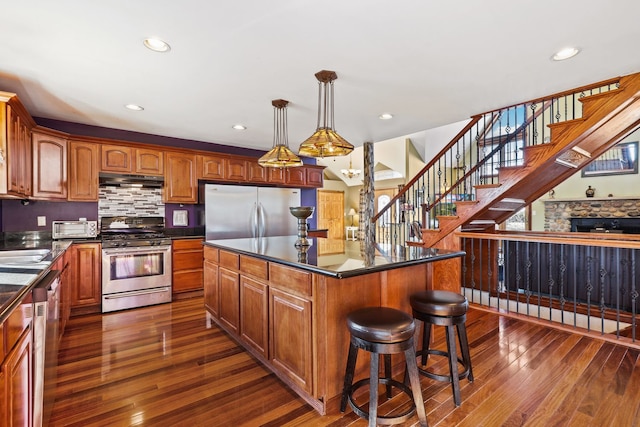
<point>489,141</point>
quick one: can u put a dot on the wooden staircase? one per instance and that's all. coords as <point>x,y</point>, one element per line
<point>607,118</point>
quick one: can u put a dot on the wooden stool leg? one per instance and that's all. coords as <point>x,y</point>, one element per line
<point>426,337</point>
<point>348,376</point>
<point>453,364</point>
<point>464,349</point>
<point>414,378</point>
<point>373,389</point>
<point>387,373</point>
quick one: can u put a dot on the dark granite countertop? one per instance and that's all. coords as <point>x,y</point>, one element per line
<point>17,280</point>
<point>353,260</point>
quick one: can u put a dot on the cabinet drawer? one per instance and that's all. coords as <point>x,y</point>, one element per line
<point>229,260</point>
<point>211,254</point>
<point>187,244</point>
<point>187,280</point>
<point>291,279</point>
<point>254,267</point>
<point>187,260</point>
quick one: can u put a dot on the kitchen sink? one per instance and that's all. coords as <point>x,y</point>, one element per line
<point>23,256</point>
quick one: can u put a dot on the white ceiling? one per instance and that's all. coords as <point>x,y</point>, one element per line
<point>428,63</point>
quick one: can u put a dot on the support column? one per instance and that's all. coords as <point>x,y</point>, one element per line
<point>367,196</point>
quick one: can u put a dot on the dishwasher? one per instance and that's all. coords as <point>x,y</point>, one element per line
<point>46,322</point>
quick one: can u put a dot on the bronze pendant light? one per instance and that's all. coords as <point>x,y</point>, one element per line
<point>280,156</point>
<point>325,142</point>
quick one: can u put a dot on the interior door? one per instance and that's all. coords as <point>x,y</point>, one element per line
<point>331,217</point>
<point>390,222</point>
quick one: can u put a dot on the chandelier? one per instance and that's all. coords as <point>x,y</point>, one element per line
<point>280,156</point>
<point>325,142</point>
<point>351,172</point>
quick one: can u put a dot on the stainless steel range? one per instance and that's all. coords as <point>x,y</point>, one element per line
<point>136,262</point>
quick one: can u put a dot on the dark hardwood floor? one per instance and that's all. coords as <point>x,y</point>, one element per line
<point>161,366</point>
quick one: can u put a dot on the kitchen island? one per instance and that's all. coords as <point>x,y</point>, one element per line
<point>288,305</point>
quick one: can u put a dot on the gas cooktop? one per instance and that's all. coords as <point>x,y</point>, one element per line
<point>126,231</point>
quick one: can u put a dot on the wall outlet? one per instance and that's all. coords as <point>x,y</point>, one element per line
<point>42,221</point>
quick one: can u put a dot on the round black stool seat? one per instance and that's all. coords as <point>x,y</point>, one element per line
<point>439,303</point>
<point>382,331</point>
<point>381,325</point>
<point>449,309</point>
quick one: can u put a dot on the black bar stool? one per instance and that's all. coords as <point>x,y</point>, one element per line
<point>382,331</point>
<point>449,309</point>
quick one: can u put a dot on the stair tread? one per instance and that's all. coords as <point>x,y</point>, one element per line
<point>609,115</point>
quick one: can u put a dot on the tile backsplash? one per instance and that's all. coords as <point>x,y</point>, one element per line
<point>121,201</point>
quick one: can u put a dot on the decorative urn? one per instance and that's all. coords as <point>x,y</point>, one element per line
<point>302,213</point>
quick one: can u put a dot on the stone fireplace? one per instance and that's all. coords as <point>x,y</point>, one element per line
<point>559,212</point>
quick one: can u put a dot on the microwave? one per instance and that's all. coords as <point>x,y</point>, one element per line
<point>74,229</point>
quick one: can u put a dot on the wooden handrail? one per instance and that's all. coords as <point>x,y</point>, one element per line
<point>561,94</point>
<point>454,140</point>
<point>630,241</point>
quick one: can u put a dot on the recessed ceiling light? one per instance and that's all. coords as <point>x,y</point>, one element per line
<point>239,127</point>
<point>566,53</point>
<point>385,116</point>
<point>134,107</point>
<point>156,45</point>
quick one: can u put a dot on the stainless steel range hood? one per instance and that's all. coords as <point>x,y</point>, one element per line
<point>132,181</point>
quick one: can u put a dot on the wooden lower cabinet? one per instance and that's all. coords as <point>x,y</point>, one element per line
<point>18,392</point>
<point>85,278</point>
<point>62,265</point>
<point>210,281</point>
<point>254,311</point>
<point>16,371</point>
<point>211,291</point>
<point>229,309</point>
<point>187,266</point>
<point>291,339</point>
<point>294,320</point>
<point>246,297</point>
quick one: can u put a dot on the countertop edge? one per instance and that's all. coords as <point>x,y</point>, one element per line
<point>338,274</point>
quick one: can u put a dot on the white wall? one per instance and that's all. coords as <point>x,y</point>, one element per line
<point>437,138</point>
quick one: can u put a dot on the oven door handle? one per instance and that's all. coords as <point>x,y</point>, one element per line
<point>138,250</point>
<point>136,293</point>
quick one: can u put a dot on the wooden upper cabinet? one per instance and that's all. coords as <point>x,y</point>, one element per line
<point>83,171</point>
<point>116,158</point>
<point>15,147</point>
<point>307,176</point>
<point>314,176</point>
<point>236,169</point>
<point>180,182</point>
<point>131,160</point>
<point>277,175</point>
<point>257,173</point>
<point>210,167</point>
<point>49,165</point>
<point>149,162</point>
<point>297,176</point>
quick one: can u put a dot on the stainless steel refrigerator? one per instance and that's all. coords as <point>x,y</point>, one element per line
<point>233,211</point>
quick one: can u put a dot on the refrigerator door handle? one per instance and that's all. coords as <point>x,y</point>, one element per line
<point>261,220</point>
<point>254,220</point>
